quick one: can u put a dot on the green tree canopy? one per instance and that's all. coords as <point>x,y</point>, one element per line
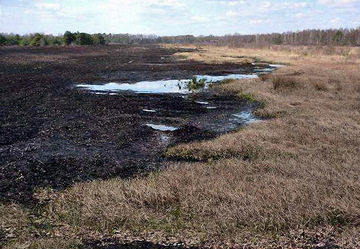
<point>69,38</point>
<point>2,40</point>
<point>98,39</point>
<point>37,40</point>
<point>83,39</point>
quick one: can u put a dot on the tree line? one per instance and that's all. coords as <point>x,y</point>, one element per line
<point>38,39</point>
<point>335,37</point>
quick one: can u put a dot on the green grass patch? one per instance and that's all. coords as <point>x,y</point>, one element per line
<point>195,84</point>
<point>248,97</point>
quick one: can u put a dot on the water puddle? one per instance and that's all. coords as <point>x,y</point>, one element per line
<point>222,116</point>
<point>148,110</point>
<point>164,86</point>
<point>245,118</point>
<point>277,65</point>
<point>264,70</point>
<point>210,78</point>
<point>162,127</point>
<point>202,102</point>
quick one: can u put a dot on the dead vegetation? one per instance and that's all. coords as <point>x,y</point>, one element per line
<point>296,174</point>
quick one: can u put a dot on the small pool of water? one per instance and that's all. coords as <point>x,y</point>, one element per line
<point>162,127</point>
<point>245,118</point>
<point>277,65</point>
<point>148,110</point>
<point>202,102</point>
<point>161,86</point>
<point>211,78</point>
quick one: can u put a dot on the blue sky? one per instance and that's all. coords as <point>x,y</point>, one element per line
<point>175,17</point>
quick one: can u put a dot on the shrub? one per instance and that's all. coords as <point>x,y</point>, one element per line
<point>13,39</point>
<point>37,40</point>
<point>195,84</point>
<point>247,97</point>
<point>69,38</point>
<point>83,39</point>
<point>98,39</point>
<point>54,40</point>
<point>2,40</point>
<point>25,41</point>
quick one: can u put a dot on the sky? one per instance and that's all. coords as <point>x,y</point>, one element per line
<point>176,17</point>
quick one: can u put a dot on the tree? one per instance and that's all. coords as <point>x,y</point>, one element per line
<point>69,38</point>
<point>13,39</point>
<point>25,40</point>
<point>37,40</point>
<point>3,40</point>
<point>83,39</point>
<point>98,39</point>
<point>337,38</point>
<point>54,40</point>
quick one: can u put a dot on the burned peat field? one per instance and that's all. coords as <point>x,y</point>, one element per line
<point>54,134</point>
<point>125,146</point>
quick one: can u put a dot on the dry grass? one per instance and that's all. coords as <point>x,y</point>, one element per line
<point>299,170</point>
<point>274,54</point>
<point>13,220</point>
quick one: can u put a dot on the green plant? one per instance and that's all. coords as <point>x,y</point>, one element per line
<point>248,97</point>
<point>3,40</point>
<point>195,84</point>
<point>84,39</point>
<point>37,40</point>
<point>98,39</point>
<point>69,38</point>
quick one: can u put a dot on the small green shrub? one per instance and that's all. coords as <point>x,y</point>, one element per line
<point>195,84</point>
<point>248,97</point>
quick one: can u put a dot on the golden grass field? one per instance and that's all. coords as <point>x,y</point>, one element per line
<point>291,181</point>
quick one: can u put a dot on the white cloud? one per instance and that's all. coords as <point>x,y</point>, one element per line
<point>259,21</point>
<point>265,5</point>
<point>231,13</point>
<point>337,2</point>
<point>48,6</point>
<point>296,5</point>
<point>336,20</point>
<point>234,3</point>
<point>229,3</point>
<point>199,19</point>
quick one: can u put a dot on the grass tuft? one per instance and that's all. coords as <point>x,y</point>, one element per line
<point>282,82</point>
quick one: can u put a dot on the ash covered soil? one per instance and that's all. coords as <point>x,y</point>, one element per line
<point>53,135</point>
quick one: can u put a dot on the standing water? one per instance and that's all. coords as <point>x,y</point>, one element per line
<point>163,86</point>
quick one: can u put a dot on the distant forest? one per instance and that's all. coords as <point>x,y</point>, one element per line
<point>334,37</point>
